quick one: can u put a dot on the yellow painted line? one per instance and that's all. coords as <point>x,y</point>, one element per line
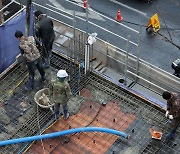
<point>11,90</point>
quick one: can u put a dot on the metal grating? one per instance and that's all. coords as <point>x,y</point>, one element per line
<point>24,122</point>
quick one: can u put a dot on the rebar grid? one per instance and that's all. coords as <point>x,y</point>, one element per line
<point>149,115</point>
<point>10,81</point>
<point>18,120</point>
<point>25,122</point>
<point>139,130</point>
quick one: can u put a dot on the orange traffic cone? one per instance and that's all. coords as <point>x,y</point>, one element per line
<point>85,4</point>
<point>119,17</point>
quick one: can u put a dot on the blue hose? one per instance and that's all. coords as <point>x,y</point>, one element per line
<point>64,132</point>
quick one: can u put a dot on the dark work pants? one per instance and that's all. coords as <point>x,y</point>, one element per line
<point>47,50</point>
<point>32,68</point>
<point>175,123</point>
<point>48,46</point>
<point>57,107</point>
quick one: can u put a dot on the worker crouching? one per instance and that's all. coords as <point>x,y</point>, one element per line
<point>61,93</point>
<point>173,111</point>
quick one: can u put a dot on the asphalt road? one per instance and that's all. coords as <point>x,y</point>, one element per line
<point>159,50</point>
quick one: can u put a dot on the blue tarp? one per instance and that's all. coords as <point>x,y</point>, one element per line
<point>9,45</point>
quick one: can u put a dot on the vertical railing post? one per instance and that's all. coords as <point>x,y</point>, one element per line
<point>86,42</point>
<point>126,61</point>
<point>138,54</point>
<point>28,13</point>
<point>1,13</point>
<point>87,20</point>
<point>86,58</point>
<point>74,32</point>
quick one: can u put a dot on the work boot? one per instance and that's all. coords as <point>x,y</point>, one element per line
<point>66,114</point>
<point>171,134</point>
<point>46,63</point>
<point>43,79</point>
<point>29,85</point>
<point>57,114</point>
<point>28,88</point>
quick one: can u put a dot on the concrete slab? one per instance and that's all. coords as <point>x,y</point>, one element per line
<point>115,75</point>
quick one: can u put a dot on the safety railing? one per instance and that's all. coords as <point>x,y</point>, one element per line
<point>115,58</point>
<point>22,7</point>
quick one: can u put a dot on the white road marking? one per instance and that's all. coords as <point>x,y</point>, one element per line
<point>113,33</point>
<point>113,20</point>
<point>98,26</point>
<point>90,15</point>
<point>128,7</point>
<point>79,1</point>
<point>95,12</point>
<point>55,3</point>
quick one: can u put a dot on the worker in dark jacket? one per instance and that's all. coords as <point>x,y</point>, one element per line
<point>173,110</point>
<point>61,93</point>
<point>32,57</point>
<point>45,32</point>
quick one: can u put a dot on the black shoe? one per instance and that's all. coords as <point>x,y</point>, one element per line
<point>45,65</point>
<point>66,116</point>
<point>28,88</point>
<point>57,115</point>
<point>43,79</point>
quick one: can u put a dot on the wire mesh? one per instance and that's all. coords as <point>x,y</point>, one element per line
<point>123,111</point>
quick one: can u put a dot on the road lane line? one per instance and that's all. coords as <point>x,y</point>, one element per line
<point>128,7</point>
<point>94,25</point>
<point>52,10</point>
<point>117,22</point>
<point>113,20</point>
<point>91,14</point>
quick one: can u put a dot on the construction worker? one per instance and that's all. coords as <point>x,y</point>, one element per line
<point>173,111</point>
<point>45,32</point>
<point>60,92</point>
<point>32,57</point>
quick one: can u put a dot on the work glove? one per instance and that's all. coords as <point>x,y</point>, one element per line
<point>167,114</point>
<point>171,117</point>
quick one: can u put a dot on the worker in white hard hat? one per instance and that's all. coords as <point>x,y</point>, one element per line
<point>60,92</point>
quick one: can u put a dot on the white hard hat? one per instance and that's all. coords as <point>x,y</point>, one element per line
<point>62,74</point>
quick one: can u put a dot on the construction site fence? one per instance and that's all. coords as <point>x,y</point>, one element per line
<point>9,47</point>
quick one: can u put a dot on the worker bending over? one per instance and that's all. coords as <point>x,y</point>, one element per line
<point>61,93</point>
<point>173,111</point>
<point>45,32</point>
